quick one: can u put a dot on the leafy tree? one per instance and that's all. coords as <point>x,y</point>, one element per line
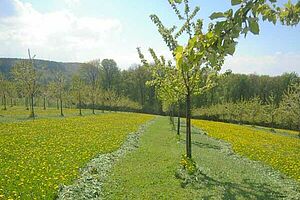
<point>45,92</point>
<point>201,57</point>
<point>271,109</point>
<point>291,104</point>
<point>26,74</point>
<point>60,84</point>
<point>4,88</point>
<point>254,108</point>
<point>90,73</point>
<point>78,87</point>
<point>57,89</point>
<point>109,74</point>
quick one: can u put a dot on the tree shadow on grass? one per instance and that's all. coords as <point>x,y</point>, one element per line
<point>247,189</point>
<point>205,145</point>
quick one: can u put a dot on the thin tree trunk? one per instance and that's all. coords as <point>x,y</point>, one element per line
<point>93,104</point>
<point>26,103</point>
<point>80,113</point>
<point>4,102</point>
<point>173,116</point>
<point>102,106</point>
<point>32,107</point>
<point>11,102</point>
<point>178,120</point>
<point>188,126</point>
<point>44,103</point>
<point>61,106</point>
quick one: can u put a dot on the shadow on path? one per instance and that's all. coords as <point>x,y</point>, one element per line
<point>247,189</point>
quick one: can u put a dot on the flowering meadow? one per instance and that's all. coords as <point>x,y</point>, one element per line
<point>13,114</point>
<point>37,156</point>
<point>280,152</point>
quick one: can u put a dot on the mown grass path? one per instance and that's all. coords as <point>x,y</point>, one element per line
<point>148,172</point>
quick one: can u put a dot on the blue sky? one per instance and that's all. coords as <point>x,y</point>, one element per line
<point>81,30</point>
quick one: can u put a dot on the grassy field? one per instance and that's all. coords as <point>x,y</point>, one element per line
<point>279,151</point>
<point>13,114</point>
<point>37,156</point>
<point>149,172</point>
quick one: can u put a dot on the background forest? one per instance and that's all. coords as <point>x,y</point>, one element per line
<point>100,84</point>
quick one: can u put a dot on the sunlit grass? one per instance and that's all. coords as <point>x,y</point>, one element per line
<point>20,113</point>
<point>280,152</point>
<point>37,156</point>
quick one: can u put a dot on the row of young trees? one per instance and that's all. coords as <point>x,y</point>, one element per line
<point>200,57</point>
<point>93,86</point>
<point>285,114</point>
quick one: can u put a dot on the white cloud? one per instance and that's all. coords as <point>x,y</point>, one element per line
<point>274,64</point>
<point>56,35</point>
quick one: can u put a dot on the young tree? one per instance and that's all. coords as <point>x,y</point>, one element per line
<point>53,92</point>
<point>60,85</point>
<point>12,92</point>
<point>109,74</point>
<point>77,88</point>
<point>291,104</point>
<point>26,74</point>
<point>45,92</point>
<point>90,73</point>
<point>271,109</point>
<point>4,87</point>
<point>253,108</point>
<point>201,57</point>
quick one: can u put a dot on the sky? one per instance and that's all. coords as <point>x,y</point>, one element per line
<point>83,30</point>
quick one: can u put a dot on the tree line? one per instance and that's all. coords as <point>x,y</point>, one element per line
<point>257,111</point>
<point>238,87</point>
<point>96,85</point>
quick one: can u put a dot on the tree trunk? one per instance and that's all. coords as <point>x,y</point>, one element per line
<point>26,103</point>
<point>44,103</point>
<point>80,113</point>
<point>11,102</point>
<point>61,106</point>
<point>178,120</point>
<point>93,104</point>
<point>4,102</point>
<point>173,116</point>
<point>102,106</point>
<point>32,106</point>
<point>188,126</point>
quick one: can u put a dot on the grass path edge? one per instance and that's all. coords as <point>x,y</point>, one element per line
<point>93,175</point>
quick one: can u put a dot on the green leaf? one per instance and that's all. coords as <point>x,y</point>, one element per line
<point>178,55</point>
<point>235,2</point>
<point>231,48</point>
<point>175,1</point>
<point>216,15</point>
<point>254,28</point>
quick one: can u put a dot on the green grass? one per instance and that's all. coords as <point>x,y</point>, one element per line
<point>16,113</point>
<point>148,173</point>
<point>37,156</point>
<point>277,150</point>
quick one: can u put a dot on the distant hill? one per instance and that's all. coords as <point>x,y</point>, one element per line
<point>69,69</point>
